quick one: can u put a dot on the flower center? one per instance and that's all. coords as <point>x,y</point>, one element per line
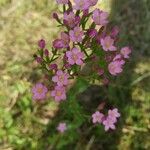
<point>107,44</point>
<point>58,93</point>
<point>77,33</point>
<point>97,117</point>
<point>40,90</point>
<point>61,77</point>
<point>81,3</point>
<point>70,20</point>
<point>74,57</point>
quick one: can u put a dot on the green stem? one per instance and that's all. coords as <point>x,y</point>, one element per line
<point>82,48</point>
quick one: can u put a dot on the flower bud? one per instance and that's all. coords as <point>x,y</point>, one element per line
<point>46,52</point>
<point>41,43</point>
<point>38,59</point>
<point>85,12</point>
<point>53,67</point>
<point>67,66</point>
<point>55,16</point>
<point>100,71</point>
<point>58,43</point>
<point>92,32</point>
<point>105,81</point>
<point>114,31</point>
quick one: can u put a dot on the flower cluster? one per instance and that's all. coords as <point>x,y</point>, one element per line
<point>108,121</point>
<point>87,38</point>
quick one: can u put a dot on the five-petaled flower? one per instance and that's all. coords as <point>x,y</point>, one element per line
<point>125,51</point>
<point>59,93</point>
<point>109,124</point>
<point>108,44</point>
<point>75,56</point>
<point>70,19</point>
<point>82,4</point>
<point>100,17</point>
<point>66,39</point>
<point>63,42</point>
<point>62,127</point>
<point>111,119</point>
<point>97,117</point>
<point>113,114</point>
<point>39,91</point>
<point>115,67</point>
<point>61,78</point>
<point>76,35</point>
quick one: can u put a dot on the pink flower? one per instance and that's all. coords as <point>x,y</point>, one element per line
<point>61,78</point>
<point>59,93</point>
<point>125,51</point>
<point>62,1</point>
<point>63,42</point>
<point>111,119</point>
<point>92,32</point>
<point>100,17</point>
<point>108,44</point>
<point>117,57</point>
<point>41,43</point>
<point>75,56</point>
<point>58,43</point>
<point>81,4</point>
<point>115,67</point>
<point>71,20</point>
<point>93,2</point>
<point>113,114</point>
<point>109,124</point>
<point>97,117</point>
<point>66,39</point>
<point>39,91</point>
<point>62,127</point>
<point>76,35</point>
<point>114,32</point>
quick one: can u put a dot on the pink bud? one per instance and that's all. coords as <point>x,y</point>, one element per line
<point>38,59</point>
<point>108,58</point>
<point>105,81</point>
<point>92,32</point>
<point>58,43</point>
<point>94,58</point>
<point>41,43</point>
<point>100,71</point>
<point>67,66</point>
<point>46,52</point>
<point>85,12</point>
<point>55,16</point>
<point>53,67</point>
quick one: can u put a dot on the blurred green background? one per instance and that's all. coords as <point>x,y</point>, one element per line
<point>27,125</point>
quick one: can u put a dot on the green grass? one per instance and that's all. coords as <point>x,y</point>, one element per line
<point>28,125</point>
